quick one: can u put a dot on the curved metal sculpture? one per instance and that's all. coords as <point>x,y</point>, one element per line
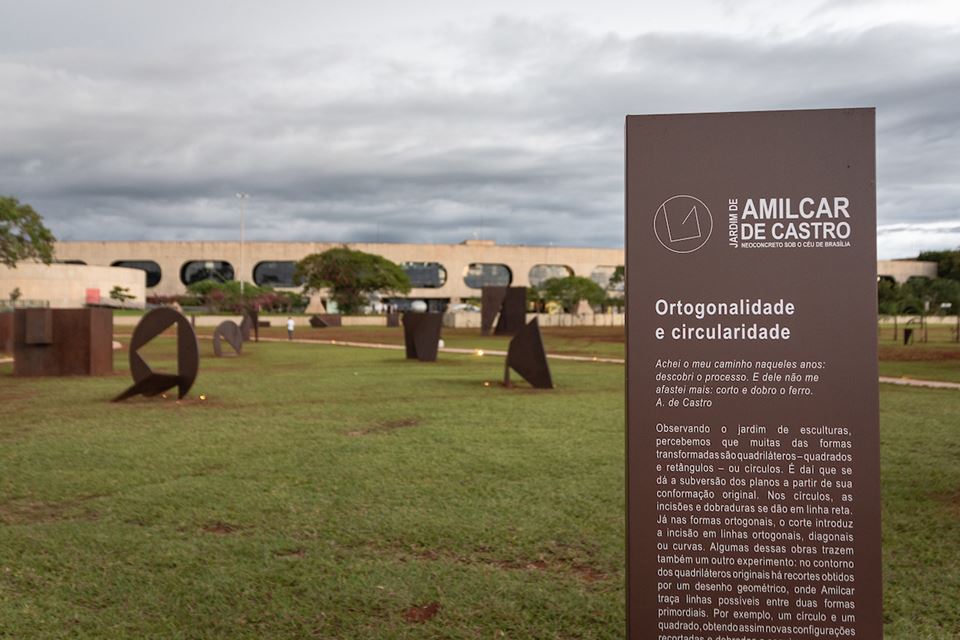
<point>145,381</point>
<point>250,325</point>
<point>227,331</point>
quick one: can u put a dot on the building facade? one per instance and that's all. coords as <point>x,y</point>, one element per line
<point>441,273</point>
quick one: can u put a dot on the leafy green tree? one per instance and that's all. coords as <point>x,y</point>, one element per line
<point>948,262</point>
<point>619,277</point>
<point>351,276</point>
<point>22,234</point>
<point>571,290</point>
<point>121,294</point>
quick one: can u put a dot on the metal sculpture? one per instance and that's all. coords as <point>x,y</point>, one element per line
<point>421,335</point>
<point>250,325</point>
<point>145,381</point>
<point>322,320</point>
<point>6,332</point>
<point>62,342</point>
<point>527,356</point>
<point>511,305</point>
<point>227,331</point>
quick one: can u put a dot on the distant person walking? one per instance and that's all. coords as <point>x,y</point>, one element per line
<point>290,326</point>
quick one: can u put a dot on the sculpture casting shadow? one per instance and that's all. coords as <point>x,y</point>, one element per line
<point>145,381</point>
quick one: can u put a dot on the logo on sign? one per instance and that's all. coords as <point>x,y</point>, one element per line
<point>683,224</point>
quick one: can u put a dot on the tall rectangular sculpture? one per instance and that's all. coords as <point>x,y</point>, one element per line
<point>421,335</point>
<point>62,342</point>
<point>753,484</point>
<point>506,305</point>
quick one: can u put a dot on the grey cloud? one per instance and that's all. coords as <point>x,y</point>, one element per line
<point>514,128</point>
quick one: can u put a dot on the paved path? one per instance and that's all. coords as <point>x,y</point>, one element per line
<point>910,382</point>
<point>469,352</point>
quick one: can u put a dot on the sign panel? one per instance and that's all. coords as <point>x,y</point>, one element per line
<point>753,482</point>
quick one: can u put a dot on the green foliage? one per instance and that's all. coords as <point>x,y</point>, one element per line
<point>948,262</point>
<point>121,294</point>
<point>225,296</point>
<point>911,297</point>
<point>351,276</point>
<point>619,276</point>
<point>571,290</point>
<point>22,234</point>
<point>15,294</point>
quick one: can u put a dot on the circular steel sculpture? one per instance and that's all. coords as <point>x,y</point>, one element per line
<point>231,333</point>
<point>145,381</point>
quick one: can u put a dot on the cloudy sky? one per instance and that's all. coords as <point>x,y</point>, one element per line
<point>443,121</point>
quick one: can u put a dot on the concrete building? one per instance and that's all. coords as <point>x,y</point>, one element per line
<point>902,270</point>
<point>441,273</point>
<point>71,286</point>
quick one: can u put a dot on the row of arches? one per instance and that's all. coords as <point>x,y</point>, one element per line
<point>423,275</point>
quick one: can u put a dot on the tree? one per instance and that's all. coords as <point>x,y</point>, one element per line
<point>571,290</point>
<point>351,276</point>
<point>948,262</point>
<point>121,294</point>
<point>619,277</point>
<point>22,234</point>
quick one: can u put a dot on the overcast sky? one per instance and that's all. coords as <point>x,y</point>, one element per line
<point>443,121</point>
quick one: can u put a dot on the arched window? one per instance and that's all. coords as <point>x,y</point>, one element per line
<point>540,273</point>
<point>483,274</point>
<point>151,268</point>
<point>602,275</point>
<point>275,274</point>
<point>425,275</point>
<point>200,270</point>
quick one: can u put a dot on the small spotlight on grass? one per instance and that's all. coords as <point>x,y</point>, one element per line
<point>479,352</point>
<point>486,383</point>
<point>203,396</point>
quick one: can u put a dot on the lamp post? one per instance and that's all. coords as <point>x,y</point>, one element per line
<point>242,197</point>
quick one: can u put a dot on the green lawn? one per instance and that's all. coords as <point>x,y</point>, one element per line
<point>338,493</point>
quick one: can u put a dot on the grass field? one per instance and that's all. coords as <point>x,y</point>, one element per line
<point>338,493</point>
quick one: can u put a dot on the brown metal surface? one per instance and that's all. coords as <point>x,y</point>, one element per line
<point>81,342</point>
<point>322,320</point>
<point>421,335</point>
<point>6,332</point>
<point>491,300</point>
<point>148,383</point>
<point>513,312</point>
<point>227,331</point>
<point>250,325</point>
<point>527,356</point>
<point>505,305</point>
<point>39,326</point>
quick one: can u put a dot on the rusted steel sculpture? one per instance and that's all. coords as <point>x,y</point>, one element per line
<point>6,332</point>
<point>227,331</point>
<point>527,357</point>
<point>421,335</point>
<point>145,381</point>
<point>511,305</point>
<point>321,320</point>
<point>250,325</point>
<point>62,342</point>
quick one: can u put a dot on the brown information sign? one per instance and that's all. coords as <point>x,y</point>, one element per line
<point>753,480</point>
